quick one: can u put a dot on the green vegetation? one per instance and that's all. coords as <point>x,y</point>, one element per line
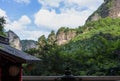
<point>2,23</point>
<point>65,30</point>
<point>26,44</point>
<point>1,47</point>
<point>106,25</point>
<point>51,38</point>
<point>94,51</point>
<point>103,11</point>
<point>109,3</point>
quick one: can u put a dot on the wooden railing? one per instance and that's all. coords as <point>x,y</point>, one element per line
<point>78,78</point>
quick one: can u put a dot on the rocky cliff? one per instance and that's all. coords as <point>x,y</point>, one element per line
<point>63,36</point>
<point>14,40</point>
<point>110,8</point>
<point>28,44</point>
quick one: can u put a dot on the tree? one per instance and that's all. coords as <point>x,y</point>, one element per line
<point>2,23</point>
<point>51,38</point>
<point>42,41</point>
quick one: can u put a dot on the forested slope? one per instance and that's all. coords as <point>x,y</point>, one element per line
<point>94,51</point>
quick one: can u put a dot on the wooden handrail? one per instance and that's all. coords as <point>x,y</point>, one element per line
<point>82,78</point>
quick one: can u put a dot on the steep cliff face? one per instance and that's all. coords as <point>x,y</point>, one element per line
<point>28,44</point>
<point>110,8</point>
<point>115,9</point>
<point>14,40</point>
<point>64,35</point>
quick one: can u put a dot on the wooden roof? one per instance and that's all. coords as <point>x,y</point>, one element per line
<point>15,55</point>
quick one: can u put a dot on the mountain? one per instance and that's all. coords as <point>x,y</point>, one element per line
<point>14,40</point>
<point>28,44</point>
<point>110,8</point>
<point>92,49</point>
<point>63,36</point>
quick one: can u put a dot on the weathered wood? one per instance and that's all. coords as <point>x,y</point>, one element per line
<point>78,78</point>
<point>11,61</point>
<point>18,55</point>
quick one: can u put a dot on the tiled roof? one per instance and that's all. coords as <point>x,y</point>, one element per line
<point>10,51</point>
<point>4,40</point>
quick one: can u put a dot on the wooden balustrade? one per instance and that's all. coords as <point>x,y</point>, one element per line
<point>78,78</point>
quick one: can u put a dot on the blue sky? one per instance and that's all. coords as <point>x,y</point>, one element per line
<point>30,19</point>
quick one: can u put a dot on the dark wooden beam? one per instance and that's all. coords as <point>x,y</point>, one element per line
<point>12,58</point>
<point>4,40</point>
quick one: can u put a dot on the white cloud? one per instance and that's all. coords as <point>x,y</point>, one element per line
<point>20,27</point>
<point>56,3</point>
<point>2,13</point>
<point>23,1</point>
<point>51,3</point>
<point>34,35</point>
<point>24,20</point>
<point>84,2</point>
<point>69,15</point>
<point>90,4</point>
<point>19,24</point>
<point>69,18</point>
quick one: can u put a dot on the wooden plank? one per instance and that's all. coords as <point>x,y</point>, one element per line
<point>78,78</point>
<point>11,57</point>
<point>0,73</point>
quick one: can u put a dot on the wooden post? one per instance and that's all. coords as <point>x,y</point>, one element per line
<point>20,73</point>
<point>0,69</point>
<point>0,73</point>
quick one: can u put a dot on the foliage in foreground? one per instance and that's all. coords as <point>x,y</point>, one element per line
<point>94,51</point>
<point>2,23</point>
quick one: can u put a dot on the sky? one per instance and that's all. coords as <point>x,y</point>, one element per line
<point>30,19</point>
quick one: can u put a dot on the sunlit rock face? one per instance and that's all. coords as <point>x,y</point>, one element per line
<point>110,8</point>
<point>64,37</point>
<point>14,40</point>
<point>28,44</point>
<point>115,9</point>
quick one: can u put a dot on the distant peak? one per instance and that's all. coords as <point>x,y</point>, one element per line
<point>110,8</point>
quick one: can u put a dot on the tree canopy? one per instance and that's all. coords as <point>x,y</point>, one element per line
<point>94,51</point>
<point>2,23</point>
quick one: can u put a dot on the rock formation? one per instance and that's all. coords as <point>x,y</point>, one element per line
<point>14,40</point>
<point>110,8</point>
<point>28,44</point>
<point>64,35</point>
